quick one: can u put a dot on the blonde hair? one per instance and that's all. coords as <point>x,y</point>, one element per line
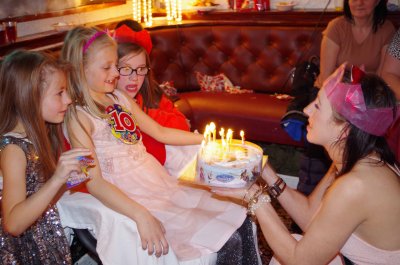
<point>73,52</point>
<point>24,77</point>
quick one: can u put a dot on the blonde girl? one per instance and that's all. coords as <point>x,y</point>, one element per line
<point>128,179</point>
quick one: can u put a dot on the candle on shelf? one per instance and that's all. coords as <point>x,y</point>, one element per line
<point>146,6</point>
<point>134,9</point>
<point>168,9</point>
<point>149,13</point>
<point>173,10</point>
<point>179,11</point>
<point>242,136</point>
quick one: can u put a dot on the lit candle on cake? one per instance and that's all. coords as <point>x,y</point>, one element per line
<point>222,134</point>
<point>207,133</point>
<point>229,135</point>
<point>213,130</point>
<point>242,136</point>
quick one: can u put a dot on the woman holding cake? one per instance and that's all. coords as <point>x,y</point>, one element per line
<point>355,209</point>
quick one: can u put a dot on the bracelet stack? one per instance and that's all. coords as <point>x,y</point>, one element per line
<point>277,188</point>
<point>256,202</point>
<point>263,194</point>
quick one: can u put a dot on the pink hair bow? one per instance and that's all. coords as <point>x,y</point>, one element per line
<point>348,101</point>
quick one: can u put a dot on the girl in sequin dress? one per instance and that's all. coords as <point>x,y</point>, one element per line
<point>128,179</point>
<point>34,102</point>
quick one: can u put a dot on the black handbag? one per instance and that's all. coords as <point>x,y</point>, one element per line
<point>294,121</point>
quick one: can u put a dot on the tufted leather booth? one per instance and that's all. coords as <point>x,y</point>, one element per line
<point>252,55</point>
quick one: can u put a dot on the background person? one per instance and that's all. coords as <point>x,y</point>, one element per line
<point>360,37</point>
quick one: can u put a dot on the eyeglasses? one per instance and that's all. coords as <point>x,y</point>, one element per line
<point>127,71</point>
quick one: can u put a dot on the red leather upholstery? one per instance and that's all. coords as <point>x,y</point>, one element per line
<point>252,55</point>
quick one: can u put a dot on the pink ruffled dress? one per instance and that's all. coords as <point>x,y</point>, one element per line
<point>196,224</point>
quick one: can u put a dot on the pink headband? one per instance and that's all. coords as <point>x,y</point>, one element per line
<point>141,38</point>
<point>92,39</point>
<point>348,100</point>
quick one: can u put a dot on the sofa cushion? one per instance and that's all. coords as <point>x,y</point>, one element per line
<point>251,55</point>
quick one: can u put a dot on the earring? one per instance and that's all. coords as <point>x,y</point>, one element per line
<point>336,141</point>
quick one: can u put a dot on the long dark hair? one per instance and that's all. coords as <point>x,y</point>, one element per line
<point>360,144</point>
<point>379,16</point>
<point>24,77</point>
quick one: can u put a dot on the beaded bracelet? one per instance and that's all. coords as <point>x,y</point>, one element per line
<point>256,202</point>
<point>247,192</point>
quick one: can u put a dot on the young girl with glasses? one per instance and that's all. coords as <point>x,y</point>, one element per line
<point>137,80</point>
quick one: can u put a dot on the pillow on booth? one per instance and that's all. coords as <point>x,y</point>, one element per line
<point>168,88</point>
<point>210,83</point>
<point>218,83</point>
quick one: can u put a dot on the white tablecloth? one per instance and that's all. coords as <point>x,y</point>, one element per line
<point>118,241</point>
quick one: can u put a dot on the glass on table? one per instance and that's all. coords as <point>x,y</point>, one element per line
<point>2,33</point>
<point>338,5</point>
<point>11,31</point>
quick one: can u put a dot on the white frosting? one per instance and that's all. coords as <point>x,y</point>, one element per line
<point>234,166</point>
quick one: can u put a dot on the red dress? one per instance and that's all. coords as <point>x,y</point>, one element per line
<point>166,115</point>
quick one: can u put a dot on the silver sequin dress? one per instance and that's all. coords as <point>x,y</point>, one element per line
<point>44,242</point>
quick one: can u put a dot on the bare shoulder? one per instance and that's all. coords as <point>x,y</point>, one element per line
<point>12,150</point>
<point>12,156</point>
<point>348,190</point>
<point>80,121</point>
<point>80,128</point>
<point>366,186</point>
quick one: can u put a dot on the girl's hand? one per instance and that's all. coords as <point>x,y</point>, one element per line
<point>230,192</point>
<point>152,234</point>
<point>69,162</point>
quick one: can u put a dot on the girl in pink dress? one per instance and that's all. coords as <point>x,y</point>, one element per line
<point>128,179</point>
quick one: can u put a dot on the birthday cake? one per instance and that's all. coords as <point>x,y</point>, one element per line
<point>233,164</point>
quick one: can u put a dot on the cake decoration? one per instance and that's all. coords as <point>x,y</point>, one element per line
<point>123,125</point>
<point>227,162</point>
